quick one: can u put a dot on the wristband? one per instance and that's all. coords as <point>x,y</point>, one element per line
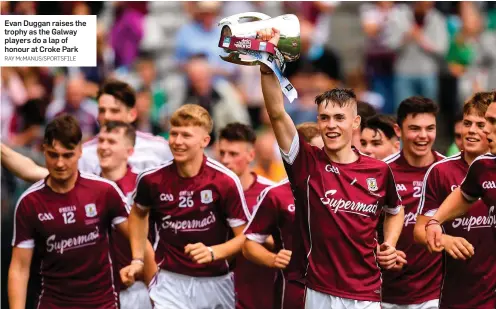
<point>432,222</point>
<point>138,261</point>
<point>211,253</point>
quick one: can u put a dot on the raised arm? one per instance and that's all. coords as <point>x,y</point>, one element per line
<point>282,124</point>
<point>21,166</point>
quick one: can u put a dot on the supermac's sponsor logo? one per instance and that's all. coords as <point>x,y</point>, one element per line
<point>45,216</point>
<point>194,225</point>
<point>62,245</point>
<point>338,205</point>
<point>468,223</point>
<point>410,218</point>
<point>489,185</point>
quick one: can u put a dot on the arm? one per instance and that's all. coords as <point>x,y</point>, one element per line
<point>202,255</point>
<point>282,124</point>
<point>19,277</point>
<point>454,206</point>
<point>257,253</point>
<point>393,224</point>
<point>21,166</point>
<point>138,231</point>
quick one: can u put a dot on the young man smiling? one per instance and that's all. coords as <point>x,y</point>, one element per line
<point>469,280</point>
<point>378,138</point>
<point>340,194</point>
<point>417,283</point>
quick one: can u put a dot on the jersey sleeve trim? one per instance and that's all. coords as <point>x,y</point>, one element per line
<point>118,220</point>
<point>430,213</point>
<point>235,222</point>
<point>35,187</point>
<point>258,238</point>
<point>392,211</point>
<point>26,244</point>
<point>469,197</point>
<point>293,150</point>
<point>142,207</point>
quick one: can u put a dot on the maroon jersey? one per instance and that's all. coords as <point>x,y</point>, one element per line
<point>480,181</point>
<point>120,246</point>
<point>420,279</point>
<point>249,278</point>
<point>275,216</point>
<point>185,211</point>
<point>340,205</point>
<point>471,283</point>
<point>70,232</point>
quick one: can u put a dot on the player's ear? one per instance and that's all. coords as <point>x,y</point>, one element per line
<point>356,122</point>
<point>132,115</point>
<point>397,130</point>
<point>396,145</point>
<point>206,140</point>
<point>251,153</point>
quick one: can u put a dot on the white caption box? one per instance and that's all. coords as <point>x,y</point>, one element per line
<point>48,40</point>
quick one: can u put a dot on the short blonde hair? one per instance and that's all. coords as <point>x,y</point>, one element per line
<point>192,115</point>
<point>308,130</point>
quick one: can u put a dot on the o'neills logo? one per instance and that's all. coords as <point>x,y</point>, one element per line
<point>188,225</point>
<point>410,218</point>
<point>71,243</point>
<point>472,222</point>
<point>358,208</point>
<point>489,185</point>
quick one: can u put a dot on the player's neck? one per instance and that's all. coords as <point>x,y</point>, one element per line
<point>116,173</point>
<point>62,186</point>
<point>471,156</point>
<point>417,161</point>
<point>247,179</point>
<point>190,168</point>
<point>345,155</point>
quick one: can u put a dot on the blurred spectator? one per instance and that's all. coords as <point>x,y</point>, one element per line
<point>464,55</point>
<point>218,97</point>
<point>13,94</point>
<point>488,43</point>
<point>144,123</point>
<point>4,7</point>
<point>200,36</point>
<point>26,125</point>
<point>25,8</point>
<point>78,105</point>
<point>127,31</point>
<point>419,36</point>
<point>357,81</point>
<point>379,57</point>
<point>267,163</point>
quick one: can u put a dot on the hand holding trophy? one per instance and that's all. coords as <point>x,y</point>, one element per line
<point>270,42</point>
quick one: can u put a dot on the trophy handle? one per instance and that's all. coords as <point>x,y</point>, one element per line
<point>237,17</point>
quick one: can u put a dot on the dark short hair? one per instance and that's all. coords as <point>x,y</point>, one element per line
<point>365,110</point>
<point>340,96</point>
<point>384,123</point>
<point>120,91</point>
<point>416,105</point>
<point>129,130</point>
<point>308,130</point>
<point>238,132</point>
<point>64,129</point>
<point>479,102</point>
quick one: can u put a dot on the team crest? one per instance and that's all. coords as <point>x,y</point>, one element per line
<point>90,210</point>
<point>372,184</point>
<point>206,196</point>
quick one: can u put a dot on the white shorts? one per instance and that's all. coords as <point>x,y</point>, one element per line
<point>169,290</point>
<point>318,300</point>
<point>431,304</point>
<point>135,297</point>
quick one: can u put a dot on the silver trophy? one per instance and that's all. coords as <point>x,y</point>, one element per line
<point>246,25</point>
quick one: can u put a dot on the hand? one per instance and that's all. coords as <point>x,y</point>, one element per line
<point>269,34</point>
<point>386,256</point>
<point>457,247</point>
<point>400,260</point>
<point>199,253</point>
<point>282,259</point>
<point>130,273</point>
<point>434,234</point>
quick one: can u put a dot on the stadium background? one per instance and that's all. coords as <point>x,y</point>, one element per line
<point>168,52</point>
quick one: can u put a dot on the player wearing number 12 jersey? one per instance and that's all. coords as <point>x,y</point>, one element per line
<point>67,218</point>
<point>194,201</point>
<point>341,195</point>
<point>418,282</point>
<point>469,282</point>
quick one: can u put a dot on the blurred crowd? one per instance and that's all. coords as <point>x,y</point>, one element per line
<point>444,51</point>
